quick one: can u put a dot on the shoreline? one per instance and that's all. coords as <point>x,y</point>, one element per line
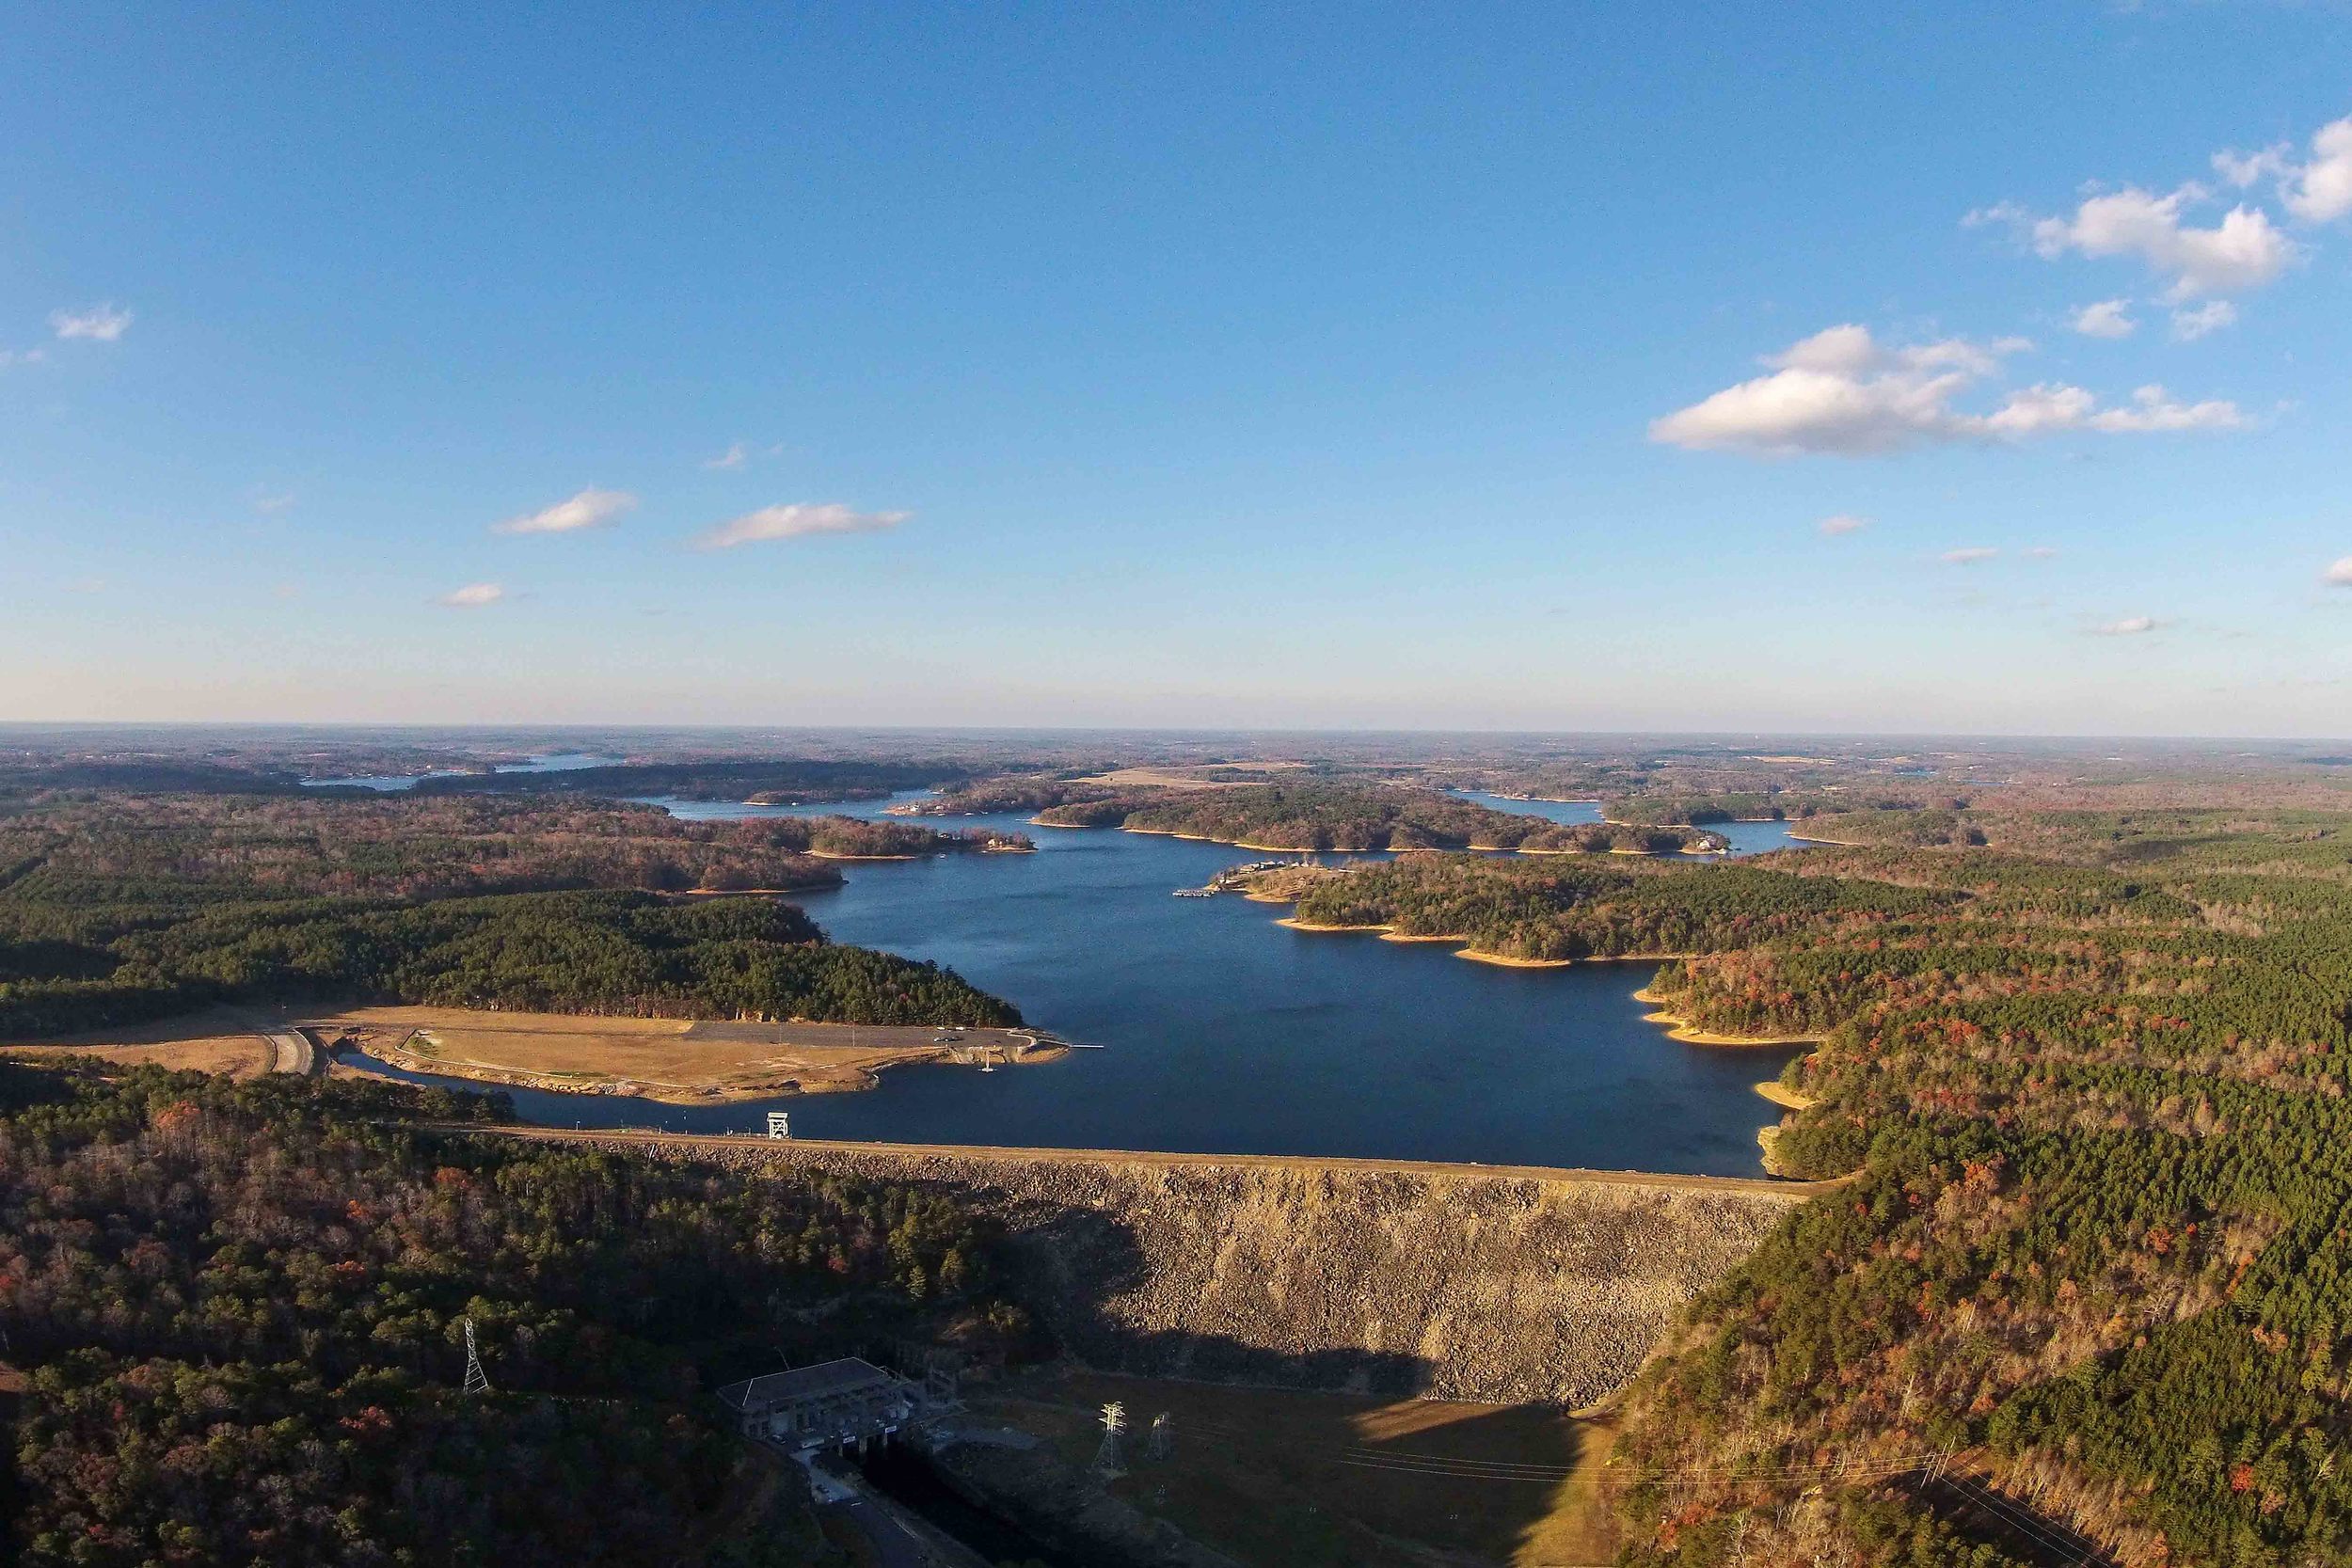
<point>1368,849</point>
<point>850,1078</point>
<point>613,1088</point>
<point>1680,1028</point>
<point>1784,1097</point>
<point>1462,950</point>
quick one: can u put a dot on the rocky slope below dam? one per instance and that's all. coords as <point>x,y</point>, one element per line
<point>1503,1283</point>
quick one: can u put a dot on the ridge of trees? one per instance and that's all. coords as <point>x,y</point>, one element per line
<point>237,1309</point>
<point>117,909</point>
<point>2092,1078</point>
<point>1343,817</point>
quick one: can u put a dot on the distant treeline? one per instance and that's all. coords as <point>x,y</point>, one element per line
<point>1355,817</point>
<point>116,848</point>
<point>782,781</point>
<point>1552,911</point>
<point>1757,806</point>
<point>1030,792</point>
<point>116,909</point>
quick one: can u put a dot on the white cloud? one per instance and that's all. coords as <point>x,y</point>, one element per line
<point>1843,523</point>
<point>272,500</point>
<point>2131,625</point>
<point>2193,322</point>
<point>1968,557</point>
<point>100,323</point>
<point>2039,552</point>
<point>2339,575</point>
<point>734,456</point>
<point>2106,319</point>
<point>2245,168</point>
<point>1840,392</point>
<point>2153,409</point>
<point>2321,191</point>
<point>797,521</point>
<point>2244,250</point>
<point>22,356</point>
<point>591,508</point>
<point>472,596</point>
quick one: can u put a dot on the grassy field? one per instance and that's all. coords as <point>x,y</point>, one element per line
<point>1283,1480</point>
<point>205,1042</point>
<point>668,1059</point>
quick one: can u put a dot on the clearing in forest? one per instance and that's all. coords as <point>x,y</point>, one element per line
<point>679,1060</point>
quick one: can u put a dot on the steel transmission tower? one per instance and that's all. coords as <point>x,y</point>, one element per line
<point>477,1381</point>
<point>1114,1426</point>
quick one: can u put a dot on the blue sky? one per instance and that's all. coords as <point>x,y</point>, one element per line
<point>1238,366</point>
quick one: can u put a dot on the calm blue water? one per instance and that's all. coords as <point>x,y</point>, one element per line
<point>1224,1033</point>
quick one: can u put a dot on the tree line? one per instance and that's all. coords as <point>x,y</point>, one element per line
<point>237,1312</point>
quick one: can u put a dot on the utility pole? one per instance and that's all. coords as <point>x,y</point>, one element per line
<point>1162,1439</point>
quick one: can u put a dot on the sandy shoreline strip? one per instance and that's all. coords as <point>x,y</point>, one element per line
<point>1784,1097</point>
<point>1680,1028</point>
<point>1389,933</point>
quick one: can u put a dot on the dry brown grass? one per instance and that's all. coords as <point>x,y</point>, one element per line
<point>202,1043</point>
<point>666,1059</point>
<point>1181,778</point>
<point>1294,1479</point>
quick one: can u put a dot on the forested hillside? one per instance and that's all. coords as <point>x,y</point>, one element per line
<point>1550,911</point>
<point>237,1309</point>
<point>2091,1070</point>
<point>116,846</point>
<point>1345,817</point>
<point>119,909</point>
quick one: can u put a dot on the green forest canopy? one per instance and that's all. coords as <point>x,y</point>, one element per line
<point>116,909</point>
<point>238,1307</point>
<point>2092,1069</point>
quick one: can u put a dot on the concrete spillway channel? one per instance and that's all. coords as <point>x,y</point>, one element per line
<point>292,1051</point>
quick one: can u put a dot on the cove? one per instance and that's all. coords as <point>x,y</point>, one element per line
<point>1222,1033</point>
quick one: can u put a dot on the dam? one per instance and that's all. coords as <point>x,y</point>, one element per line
<point>1509,1285</point>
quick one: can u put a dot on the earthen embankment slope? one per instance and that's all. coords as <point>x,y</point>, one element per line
<point>1501,1283</point>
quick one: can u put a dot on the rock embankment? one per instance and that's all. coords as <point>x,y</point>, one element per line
<point>1457,1282</point>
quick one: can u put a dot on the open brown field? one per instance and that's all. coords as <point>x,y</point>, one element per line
<point>1284,1480</point>
<point>669,1059</point>
<point>1183,778</point>
<point>202,1043</point>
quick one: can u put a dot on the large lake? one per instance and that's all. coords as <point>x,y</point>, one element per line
<point>1224,1033</point>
